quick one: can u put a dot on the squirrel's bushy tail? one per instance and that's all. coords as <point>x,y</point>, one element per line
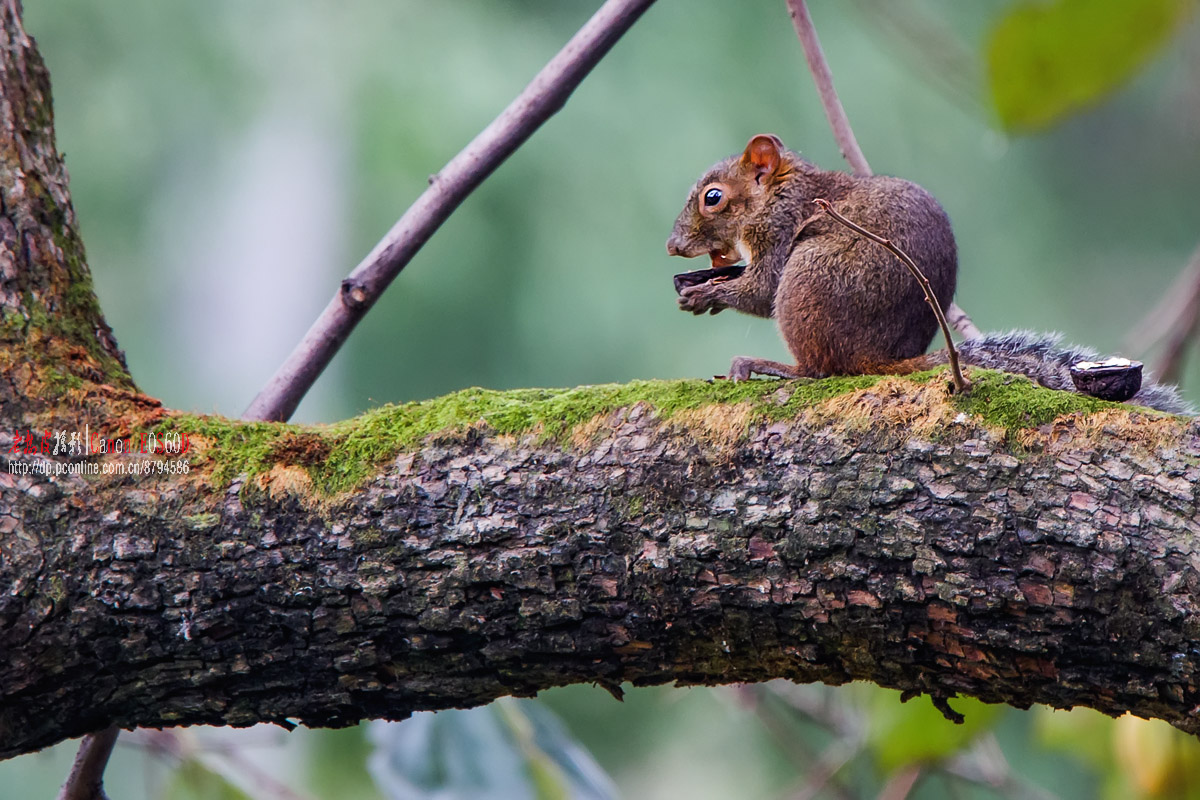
<point>1042,358</point>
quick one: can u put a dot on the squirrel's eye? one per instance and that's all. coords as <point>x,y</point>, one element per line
<point>712,197</point>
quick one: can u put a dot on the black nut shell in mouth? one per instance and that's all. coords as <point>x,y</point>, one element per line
<point>697,277</point>
<point>1116,379</point>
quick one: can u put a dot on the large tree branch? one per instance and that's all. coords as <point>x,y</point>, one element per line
<point>52,334</point>
<point>1016,545</point>
<point>883,534</point>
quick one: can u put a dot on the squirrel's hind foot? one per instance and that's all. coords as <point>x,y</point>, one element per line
<point>742,368</point>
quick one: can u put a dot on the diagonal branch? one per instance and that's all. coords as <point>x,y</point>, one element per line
<point>540,100</point>
<point>1169,367</point>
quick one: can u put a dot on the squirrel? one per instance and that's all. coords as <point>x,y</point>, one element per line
<point>843,304</point>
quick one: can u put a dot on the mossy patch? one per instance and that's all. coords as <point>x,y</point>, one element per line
<point>354,448</point>
<point>719,425</point>
<point>306,449</point>
<point>998,400</point>
<point>893,404</point>
<point>234,448</point>
<point>59,329</point>
<point>1014,402</point>
<point>339,457</point>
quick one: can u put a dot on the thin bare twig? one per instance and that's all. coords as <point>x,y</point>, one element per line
<point>750,696</point>
<point>843,134</point>
<point>173,746</point>
<point>539,101</point>
<point>818,705</point>
<point>265,784</point>
<point>960,383</point>
<point>984,764</point>
<point>820,770</point>
<point>819,67</point>
<point>86,779</point>
<point>1169,367</point>
<point>1160,319</point>
<point>827,766</point>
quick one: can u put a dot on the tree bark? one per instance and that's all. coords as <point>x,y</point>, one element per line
<point>1019,545</point>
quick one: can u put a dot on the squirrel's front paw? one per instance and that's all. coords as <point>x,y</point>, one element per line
<point>700,298</point>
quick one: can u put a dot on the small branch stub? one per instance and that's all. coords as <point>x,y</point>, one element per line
<point>86,781</point>
<point>942,704</point>
<point>354,294</point>
<point>960,383</point>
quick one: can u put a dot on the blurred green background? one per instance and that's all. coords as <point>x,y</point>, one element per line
<point>231,161</point>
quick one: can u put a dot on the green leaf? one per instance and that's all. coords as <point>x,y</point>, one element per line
<point>192,780</point>
<point>1048,60</point>
<point>916,732</point>
<point>1081,732</point>
<point>1134,757</point>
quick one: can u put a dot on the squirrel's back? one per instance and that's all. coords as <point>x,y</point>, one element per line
<point>845,303</point>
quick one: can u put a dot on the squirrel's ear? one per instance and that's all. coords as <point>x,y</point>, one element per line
<point>763,154</point>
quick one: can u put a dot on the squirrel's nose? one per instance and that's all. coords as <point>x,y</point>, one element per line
<point>673,246</point>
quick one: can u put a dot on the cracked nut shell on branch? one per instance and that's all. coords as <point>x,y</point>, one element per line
<point>1116,379</point>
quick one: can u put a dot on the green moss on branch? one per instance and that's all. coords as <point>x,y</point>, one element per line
<point>1013,402</point>
<point>339,457</point>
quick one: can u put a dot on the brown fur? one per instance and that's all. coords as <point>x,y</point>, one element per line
<point>844,305</point>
